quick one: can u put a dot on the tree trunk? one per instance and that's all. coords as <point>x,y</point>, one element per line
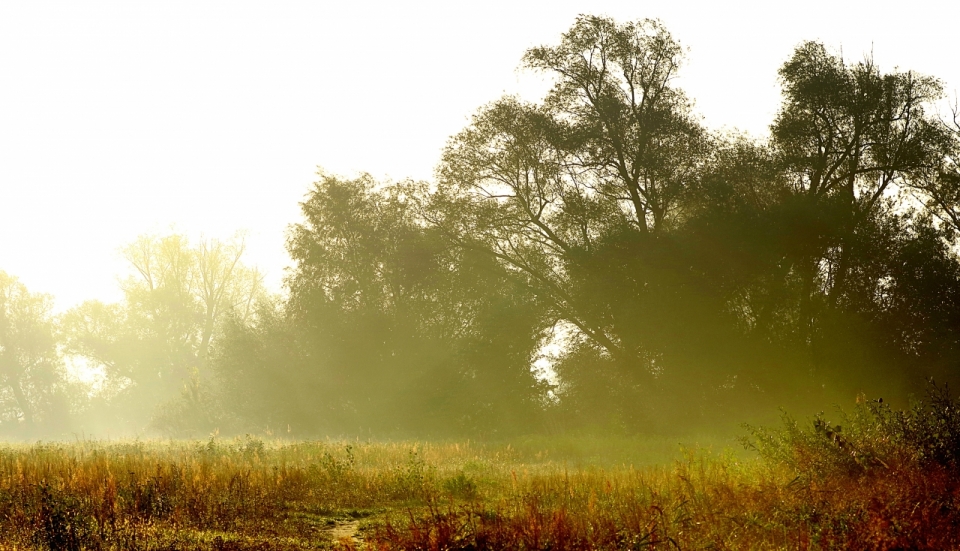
<point>22,402</point>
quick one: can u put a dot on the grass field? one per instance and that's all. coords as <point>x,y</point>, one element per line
<point>862,491</point>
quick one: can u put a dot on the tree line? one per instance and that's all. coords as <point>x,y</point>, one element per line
<point>683,275</point>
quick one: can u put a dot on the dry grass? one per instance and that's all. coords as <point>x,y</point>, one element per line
<point>700,503</point>
<point>191,495</point>
<point>247,494</point>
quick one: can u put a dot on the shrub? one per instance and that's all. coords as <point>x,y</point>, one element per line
<point>875,436</point>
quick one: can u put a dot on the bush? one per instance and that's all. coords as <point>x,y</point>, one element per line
<point>874,436</point>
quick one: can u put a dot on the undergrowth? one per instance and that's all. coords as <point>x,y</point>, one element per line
<point>874,437</point>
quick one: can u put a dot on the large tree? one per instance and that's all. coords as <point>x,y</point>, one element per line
<point>604,163</point>
<point>856,144</point>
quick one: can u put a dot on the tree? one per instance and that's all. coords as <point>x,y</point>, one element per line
<point>939,188</point>
<point>157,341</point>
<point>851,136</point>
<point>685,261</point>
<point>31,370</point>
<point>626,124</point>
<point>609,157</point>
<point>853,142</point>
<point>386,329</point>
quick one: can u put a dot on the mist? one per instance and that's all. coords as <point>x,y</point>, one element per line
<point>595,261</point>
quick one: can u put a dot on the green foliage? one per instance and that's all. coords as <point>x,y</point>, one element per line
<point>337,468</point>
<point>931,429</point>
<point>410,479</point>
<point>461,486</point>
<point>60,522</point>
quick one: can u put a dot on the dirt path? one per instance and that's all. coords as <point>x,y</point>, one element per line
<point>346,531</point>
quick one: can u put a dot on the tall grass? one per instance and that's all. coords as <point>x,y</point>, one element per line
<point>879,479</point>
<point>875,479</point>
<point>91,495</point>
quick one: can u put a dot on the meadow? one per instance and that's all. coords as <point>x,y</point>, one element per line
<point>878,479</point>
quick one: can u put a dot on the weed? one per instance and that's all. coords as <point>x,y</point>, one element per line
<point>60,523</point>
<point>461,486</point>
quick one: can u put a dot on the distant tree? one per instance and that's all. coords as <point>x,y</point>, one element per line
<point>191,288</point>
<point>32,378</point>
<point>156,343</point>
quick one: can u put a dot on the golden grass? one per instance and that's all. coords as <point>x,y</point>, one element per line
<point>700,503</point>
<point>247,494</point>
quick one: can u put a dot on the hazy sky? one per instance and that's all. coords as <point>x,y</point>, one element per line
<point>122,118</point>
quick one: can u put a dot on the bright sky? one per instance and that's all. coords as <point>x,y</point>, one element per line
<point>123,118</point>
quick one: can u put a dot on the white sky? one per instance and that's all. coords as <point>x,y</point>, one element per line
<point>122,118</point>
